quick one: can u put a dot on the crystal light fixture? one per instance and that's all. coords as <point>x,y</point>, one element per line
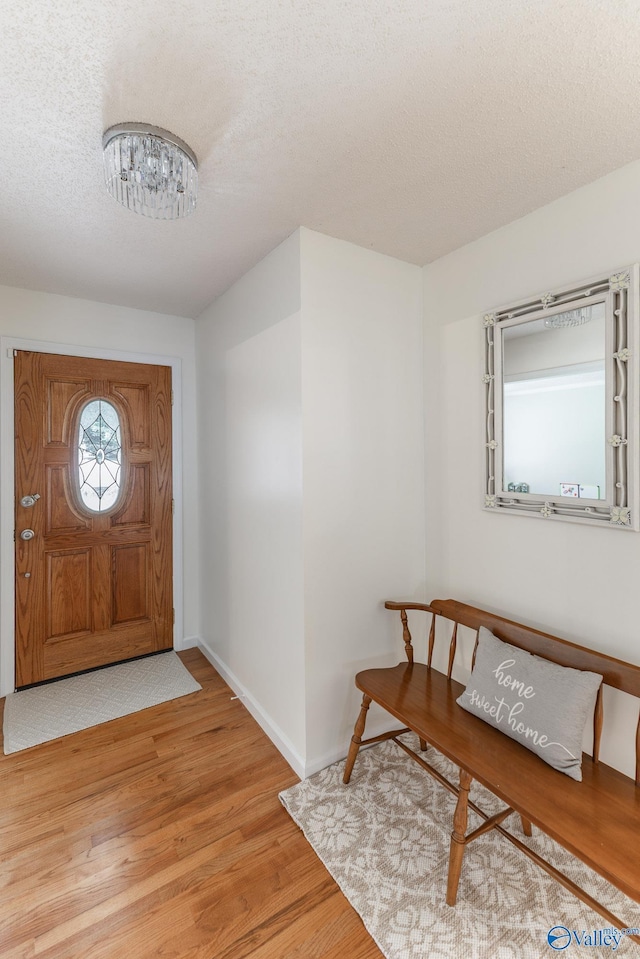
<point>571,318</point>
<point>150,171</point>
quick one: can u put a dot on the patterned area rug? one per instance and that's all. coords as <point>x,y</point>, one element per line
<point>35,716</point>
<point>385,840</point>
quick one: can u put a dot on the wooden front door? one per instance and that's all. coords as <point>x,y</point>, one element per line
<point>93,513</point>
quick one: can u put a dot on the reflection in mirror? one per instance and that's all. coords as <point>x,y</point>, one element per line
<point>554,405</point>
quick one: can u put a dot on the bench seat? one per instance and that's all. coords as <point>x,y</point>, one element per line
<point>597,820</point>
<point>601,812</point>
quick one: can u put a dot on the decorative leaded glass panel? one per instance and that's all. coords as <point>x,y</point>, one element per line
<point>99,456</point>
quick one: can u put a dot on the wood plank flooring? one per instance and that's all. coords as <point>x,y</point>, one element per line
<point>161,834</point>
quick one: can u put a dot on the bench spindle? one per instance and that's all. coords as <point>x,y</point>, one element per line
<point>432,639</point>
<point>475,649</point>
<point>598,717</point>
<point>452,649</point>
<point>406,635</point>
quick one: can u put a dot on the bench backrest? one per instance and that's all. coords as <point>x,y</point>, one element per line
<point>616,673</point>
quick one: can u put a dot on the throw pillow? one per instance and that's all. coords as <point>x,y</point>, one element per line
<point>538,703</point>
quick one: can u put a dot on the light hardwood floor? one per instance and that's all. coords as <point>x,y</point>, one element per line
<point>161,834</point>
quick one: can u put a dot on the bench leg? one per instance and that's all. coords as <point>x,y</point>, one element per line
<point>424,745</point>
<point>526,826</point>
<point>458,839</point>
<point>356,739</point>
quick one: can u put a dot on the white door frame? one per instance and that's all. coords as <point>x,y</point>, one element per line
<point>7,482</point>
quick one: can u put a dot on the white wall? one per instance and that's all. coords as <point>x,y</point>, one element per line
<point>310,371</point>
<point>250,451</point>
<point>363,473</point>
<point>576,581</point>
<point>76,323</point>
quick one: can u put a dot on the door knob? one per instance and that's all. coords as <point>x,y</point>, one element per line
<point>27,534</point>
<point>29,500</point>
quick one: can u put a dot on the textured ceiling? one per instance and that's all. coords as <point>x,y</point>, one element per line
<point>407,126</point>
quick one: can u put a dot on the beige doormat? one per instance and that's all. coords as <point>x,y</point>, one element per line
<point>385,840</point>
<point>35,716</point>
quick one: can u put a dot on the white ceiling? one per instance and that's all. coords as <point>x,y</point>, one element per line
<point>407,126</point>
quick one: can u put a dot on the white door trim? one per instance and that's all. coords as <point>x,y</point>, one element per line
<point>7,493</point>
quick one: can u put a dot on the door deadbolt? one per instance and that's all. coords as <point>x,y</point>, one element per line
<point>27,534</point>
<point>29,500</point>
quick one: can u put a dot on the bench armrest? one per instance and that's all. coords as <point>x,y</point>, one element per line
<point>406,635</point>
<point>390,604</point>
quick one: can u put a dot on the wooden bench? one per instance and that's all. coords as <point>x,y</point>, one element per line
<point>598,819</point>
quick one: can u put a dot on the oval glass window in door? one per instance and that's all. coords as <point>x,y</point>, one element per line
<point>99,456</point>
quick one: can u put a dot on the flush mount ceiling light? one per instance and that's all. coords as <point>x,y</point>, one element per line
<point>150,171</point>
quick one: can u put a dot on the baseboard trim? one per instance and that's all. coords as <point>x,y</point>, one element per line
<point>336,755</point>
<point>301,768</point>
<point>187,642</point>
<point>277,737</point>
<point>315,765</point>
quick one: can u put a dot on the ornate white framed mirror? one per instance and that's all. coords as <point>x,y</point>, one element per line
<point>561,404</point>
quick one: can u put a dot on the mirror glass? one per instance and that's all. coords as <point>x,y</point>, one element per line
<point>554,403</point>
